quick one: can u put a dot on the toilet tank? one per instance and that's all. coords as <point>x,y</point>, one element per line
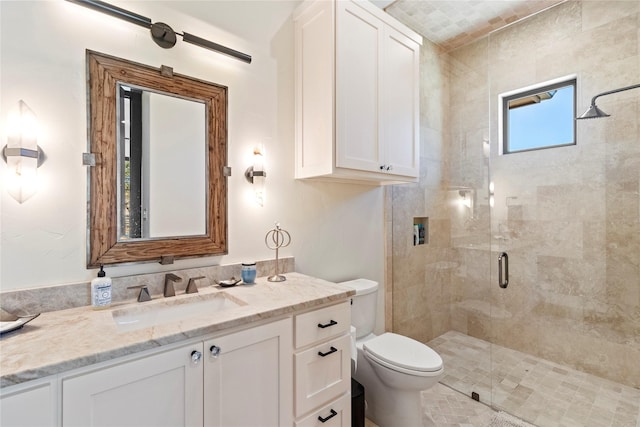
<point>363,305</point>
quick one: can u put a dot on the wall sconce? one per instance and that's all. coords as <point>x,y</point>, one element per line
<point>492,191</point>
<point>22,154</point>
<point>256,175</point>
<point>467,197</point>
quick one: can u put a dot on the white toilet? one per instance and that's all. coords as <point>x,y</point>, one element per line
<point>393,369</point>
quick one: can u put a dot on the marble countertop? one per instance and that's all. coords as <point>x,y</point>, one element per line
<point>59,341</point>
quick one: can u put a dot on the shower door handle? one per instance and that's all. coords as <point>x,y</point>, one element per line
<point>503,265</point>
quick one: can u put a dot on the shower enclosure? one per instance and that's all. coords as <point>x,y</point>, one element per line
<point>560,344</point>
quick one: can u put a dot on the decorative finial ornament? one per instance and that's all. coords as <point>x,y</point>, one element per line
<point>276,239</point>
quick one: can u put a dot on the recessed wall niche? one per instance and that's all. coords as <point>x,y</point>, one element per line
<point>420,231</point>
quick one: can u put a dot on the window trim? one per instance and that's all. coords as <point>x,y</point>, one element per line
<point>504,98</point>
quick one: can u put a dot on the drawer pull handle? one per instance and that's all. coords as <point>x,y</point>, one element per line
<point>324,420</point>
<point>333,350</point>
<point>326,325</point>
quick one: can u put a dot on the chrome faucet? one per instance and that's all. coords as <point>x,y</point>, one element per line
<point>169,278</point>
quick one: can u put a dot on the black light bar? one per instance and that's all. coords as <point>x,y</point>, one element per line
<point>161,33</point>
<point>198,41</point>
<point>115,11</point>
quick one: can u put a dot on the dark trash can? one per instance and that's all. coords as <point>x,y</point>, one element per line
<point>357,404</point>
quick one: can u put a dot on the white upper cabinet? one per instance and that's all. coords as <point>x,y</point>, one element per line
<point>357,89</point>
<point>399,103</point>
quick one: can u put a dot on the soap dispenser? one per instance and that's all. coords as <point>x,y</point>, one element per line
<point>101,290</point>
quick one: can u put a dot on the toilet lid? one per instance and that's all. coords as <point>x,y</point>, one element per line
<point>404,352</point>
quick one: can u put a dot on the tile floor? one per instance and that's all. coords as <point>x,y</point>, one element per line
<point>449,408</point>
<point>536,390</point>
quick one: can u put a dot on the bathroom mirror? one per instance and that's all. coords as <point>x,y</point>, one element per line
<point>161,150</point>
<point>158,188</point>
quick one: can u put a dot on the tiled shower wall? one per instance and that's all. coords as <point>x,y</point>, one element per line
<point>568,217</point>
<point>421,293</point>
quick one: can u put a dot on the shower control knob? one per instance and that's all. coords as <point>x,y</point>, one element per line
<point>215,351</point>
<point>390,167</point>
<point>196,356</point>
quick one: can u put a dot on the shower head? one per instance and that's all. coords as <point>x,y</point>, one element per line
<point>594,112</point>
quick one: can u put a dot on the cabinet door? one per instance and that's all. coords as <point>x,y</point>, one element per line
<point>163,389</point>
<point>314,86</point>
<point>399,106</point>
<point>358,39</point>
<point>248,377</point>
<point>29,405</point>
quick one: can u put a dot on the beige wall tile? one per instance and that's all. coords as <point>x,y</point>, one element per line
<point>569,217</point>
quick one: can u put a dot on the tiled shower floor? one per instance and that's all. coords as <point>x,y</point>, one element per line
<point>536,390</point>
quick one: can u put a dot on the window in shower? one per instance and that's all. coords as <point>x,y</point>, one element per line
<point>536,117</point>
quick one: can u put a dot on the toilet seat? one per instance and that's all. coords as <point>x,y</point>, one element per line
<point>403,354</point>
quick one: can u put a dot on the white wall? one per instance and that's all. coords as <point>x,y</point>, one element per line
<point>337,229</point>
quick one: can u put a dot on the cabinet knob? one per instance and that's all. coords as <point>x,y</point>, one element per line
<point>196,356</point>
<point>215,351</point>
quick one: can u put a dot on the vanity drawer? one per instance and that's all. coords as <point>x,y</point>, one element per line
<point>335,414</point>
<point>322,324</point>
<point>322,373</point>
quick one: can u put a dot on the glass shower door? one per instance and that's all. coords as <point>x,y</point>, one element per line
<point>566,330</point>
<point>466,346</point>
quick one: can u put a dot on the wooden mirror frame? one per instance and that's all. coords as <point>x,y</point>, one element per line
<point>103,247</point>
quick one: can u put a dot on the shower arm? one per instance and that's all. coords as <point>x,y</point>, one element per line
<point>622,89</point>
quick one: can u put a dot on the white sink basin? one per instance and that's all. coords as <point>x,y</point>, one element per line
<point>146,315</point>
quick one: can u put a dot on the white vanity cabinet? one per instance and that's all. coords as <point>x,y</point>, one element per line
<point>161,389</point>
<point>281,360</point>
<point>322,366</point>
<point>357,93</point>
<point>33,404</point>
<point>238,379</point>
<point>248,377</point>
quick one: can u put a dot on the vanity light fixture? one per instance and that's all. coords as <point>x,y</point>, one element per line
<point>594,112</point>
<point>22,154</point>
<point>161,33</point>
<point>256,175</point>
